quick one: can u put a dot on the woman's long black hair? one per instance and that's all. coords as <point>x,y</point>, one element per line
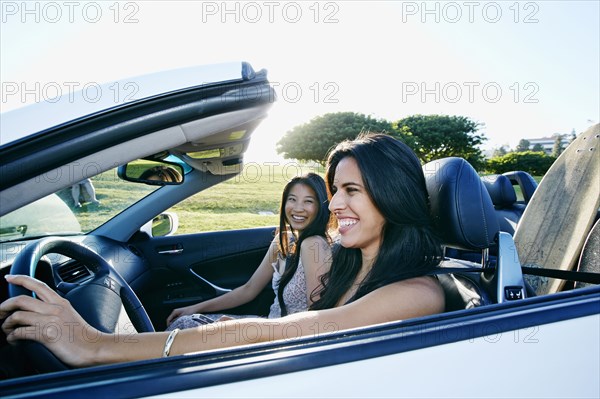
<point>319,226</point>
<point>394,180</point>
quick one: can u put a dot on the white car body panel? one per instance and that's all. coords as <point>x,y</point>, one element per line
<point>513,360</point>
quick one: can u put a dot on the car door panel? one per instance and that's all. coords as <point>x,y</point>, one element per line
<point>191,268</point>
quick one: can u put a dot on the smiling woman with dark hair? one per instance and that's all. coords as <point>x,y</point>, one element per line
<point>391,202</point>
<point>297,257</point>
<point>378,274</point>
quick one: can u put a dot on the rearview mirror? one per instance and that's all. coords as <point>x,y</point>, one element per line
<point>158,173</point>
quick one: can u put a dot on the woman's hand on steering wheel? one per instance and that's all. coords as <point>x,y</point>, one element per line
<point>50,320</point>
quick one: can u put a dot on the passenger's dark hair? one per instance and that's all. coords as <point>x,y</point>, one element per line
<point>394,180</point>
<point>317,227</point>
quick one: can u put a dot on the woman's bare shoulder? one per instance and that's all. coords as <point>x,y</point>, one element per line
<point>315,250</point>
<point>424,282</point>
<point>402,300</point>
<point>427,290</point>
<point>405,299</point>
<point>316,239</point>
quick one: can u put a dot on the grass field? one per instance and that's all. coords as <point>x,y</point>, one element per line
<point>250,199</point>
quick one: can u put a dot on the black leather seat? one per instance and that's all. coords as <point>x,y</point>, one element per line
<point>504,198</point>
<point>526,183</point>
<point>461,207</point>
<point>465,219</point>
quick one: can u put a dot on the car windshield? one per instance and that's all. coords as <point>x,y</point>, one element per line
<point>78,209</point>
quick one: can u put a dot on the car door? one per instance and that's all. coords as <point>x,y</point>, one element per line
<point>187,269</point>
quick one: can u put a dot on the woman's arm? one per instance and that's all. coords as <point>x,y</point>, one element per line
<point>239,296</point>
<point>53,321</point>
<point>398,301</point>
<point>315,255</point>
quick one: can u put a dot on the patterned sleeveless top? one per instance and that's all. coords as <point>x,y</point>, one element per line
<point>294,293</point>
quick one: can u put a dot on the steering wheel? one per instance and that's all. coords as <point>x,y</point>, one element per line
<point>98,300</point>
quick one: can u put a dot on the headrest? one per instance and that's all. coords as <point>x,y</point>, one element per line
<point>524,180</point>
<point>500,189</point>
<point>462,211</point>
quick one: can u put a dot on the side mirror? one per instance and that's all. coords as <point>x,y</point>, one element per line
<point>163,225</point>
<point>156,173</point>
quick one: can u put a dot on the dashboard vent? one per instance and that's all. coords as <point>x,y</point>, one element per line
<point>73,272</point>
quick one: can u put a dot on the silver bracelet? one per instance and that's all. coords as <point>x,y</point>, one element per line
<point>169,342</point>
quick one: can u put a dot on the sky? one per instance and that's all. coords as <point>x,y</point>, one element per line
<point>522,69</point>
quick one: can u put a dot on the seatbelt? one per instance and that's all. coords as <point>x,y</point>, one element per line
<point>584,277</point>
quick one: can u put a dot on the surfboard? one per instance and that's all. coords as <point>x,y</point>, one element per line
<point>555,224</point>
<point>590,255</point>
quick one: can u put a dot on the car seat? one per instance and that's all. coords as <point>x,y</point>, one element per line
<point>525,182</point>
<point>504,198</point>
<point>465,219</point>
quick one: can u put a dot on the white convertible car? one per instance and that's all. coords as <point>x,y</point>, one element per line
<point>496,338</point>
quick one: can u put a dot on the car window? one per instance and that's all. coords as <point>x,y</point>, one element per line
<point>80,208</point>
<point>250,199</point>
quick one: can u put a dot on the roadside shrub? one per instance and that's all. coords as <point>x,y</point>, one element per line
<point>533,162</point>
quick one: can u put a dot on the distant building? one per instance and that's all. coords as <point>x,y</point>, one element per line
<point>547,143</point>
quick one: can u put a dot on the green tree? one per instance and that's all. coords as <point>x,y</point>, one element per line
<point>534,163</point>
<point>313,140</point>
<point>523,145</point>
<point>557,149</point>
<point>572,136</point>
<point>537,147</point>
<point>439,136</point>
<point>500,151</point>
